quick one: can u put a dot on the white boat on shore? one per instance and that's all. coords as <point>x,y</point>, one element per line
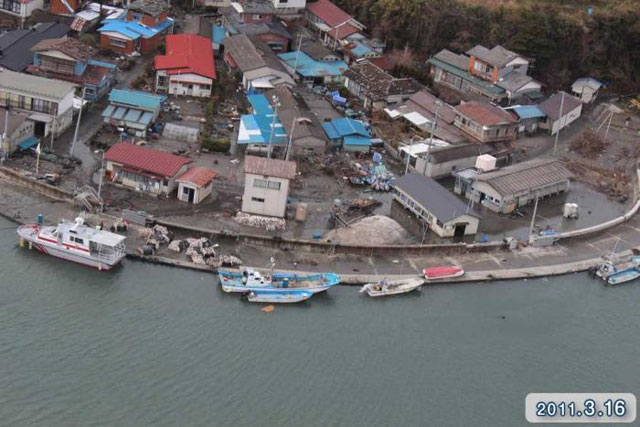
<point>76,242</point>
<point>277,297</point>
<point>395,287</point>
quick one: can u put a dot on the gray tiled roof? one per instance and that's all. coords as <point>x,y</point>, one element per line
<point>433,197</point>
<point>15,45</point>
<point>457,60</point>
<point>551,107</point>
<point>498,56</point>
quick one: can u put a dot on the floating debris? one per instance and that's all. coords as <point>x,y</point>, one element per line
<point>268,309</point>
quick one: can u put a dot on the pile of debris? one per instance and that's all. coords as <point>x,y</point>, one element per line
<point>202,251</point>
<point>356,209</point>
<point>257,221</point>
<point>374,174</point>
<point>614,183</point>
<point>590,144</point>
<point>154,237</point>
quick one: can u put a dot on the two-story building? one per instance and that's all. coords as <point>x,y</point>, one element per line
<point>70,59</point>
<point>142,29</point>
<point>187,67</point>
<point>20,8</point>
<point>133,110</point>
<point>376,88</point>
<point>266,185</point>
<point>333,26</point>
<point>256,19</point>
<point>289,8</point>
<point>497,74</point>
<point>15,45</point>
<point>48,102</point>
<point>308,70</point>
<point>485,122</point>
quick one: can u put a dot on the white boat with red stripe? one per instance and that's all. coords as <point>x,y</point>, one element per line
<point>76,242</point>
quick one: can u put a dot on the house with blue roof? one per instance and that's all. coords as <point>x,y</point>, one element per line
<point>359,51</point>
<point>302,66</point>
<point>262,127</point>
<point>350,134</point>
<point>529,117</point>
<point>142,29</point>
<point>132,109</point>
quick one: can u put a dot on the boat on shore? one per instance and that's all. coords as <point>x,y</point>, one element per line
<point>447,272</point>
<point>613,264</point>
<point>272,296</point>
<point>395,287</point>
<point>249,279</point>
<point>76,242</point>
<point>623,276</point>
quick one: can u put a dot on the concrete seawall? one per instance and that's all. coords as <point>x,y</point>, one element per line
<point>33,184</point>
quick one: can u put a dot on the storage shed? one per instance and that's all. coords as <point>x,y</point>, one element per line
<point>196,184</point>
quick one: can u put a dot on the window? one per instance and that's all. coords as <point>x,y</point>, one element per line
<point>256,16</point>
<point>76,239</point>
<point>263,183</point>
<point>185,190</point>
<point>16,7</point>
<point>117,42</point>
<point>57,64</point>
<point>257,199</point>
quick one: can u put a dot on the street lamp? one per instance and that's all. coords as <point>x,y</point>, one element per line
<point>276,104</point>
<point>101,175</point>
<point>406,170</point>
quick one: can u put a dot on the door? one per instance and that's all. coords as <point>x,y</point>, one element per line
<point>39,128</point>
<point>192,195</point>
<point>458,233</point>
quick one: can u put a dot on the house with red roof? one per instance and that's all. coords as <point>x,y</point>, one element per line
<point>143,168</point>
<point>187,67</point>
<point>485,122</point>
<point>196,184</point>
<point>334,26</point>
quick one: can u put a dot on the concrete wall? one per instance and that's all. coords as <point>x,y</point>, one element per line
<point>35,185</point>
<point>444,169</point>
<point>274,202</point>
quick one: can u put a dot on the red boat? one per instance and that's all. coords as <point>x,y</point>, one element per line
<point>442,272</point>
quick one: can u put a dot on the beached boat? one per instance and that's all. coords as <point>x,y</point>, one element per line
<point>613,264</point>
<point>623,276</point>
<point>74,241</point>
<point>395,287</point>
<point>448,272</point>
<point>249,279</point>
<point>276,296</point>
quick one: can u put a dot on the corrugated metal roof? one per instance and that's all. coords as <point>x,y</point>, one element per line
<point>270,167</point>
<point>467,76</point>
<point>198,175</point>
<point>146,159</point>
<point>433,197</point>
<point>260,104</point>
<point>144,100</point>
<point>39,86</point>
<point>187,53</point>
<point>308,67</point>
<point>527,111</point>
<point>328,12</point>
<point>551,106</point>
<point>484,113</point>
<point>526,176</point>
<point>357,140</point>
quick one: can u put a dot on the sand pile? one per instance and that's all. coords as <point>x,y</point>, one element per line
<point>375,230</point>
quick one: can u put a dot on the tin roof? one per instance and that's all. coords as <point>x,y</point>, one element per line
<point>484,113</point>
<point>39,86</point>
<point>551,107</point>
<point>433,197</point>
<point>527,111</point>
<point>308,67</point>
<point>270,167</point>
<point>198,176</point>
<point>146,159</point>
<point>328,12</point>
<point>187,53</point>
<point>526,176</point>
<point>136,98</point>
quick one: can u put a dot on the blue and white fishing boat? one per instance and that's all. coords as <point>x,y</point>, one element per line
<point>623,276</point>
<point>613,264</point>
<point>250,280</point>
<point>277,296</point>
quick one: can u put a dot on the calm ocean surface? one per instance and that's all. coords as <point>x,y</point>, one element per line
<point>156,345</point>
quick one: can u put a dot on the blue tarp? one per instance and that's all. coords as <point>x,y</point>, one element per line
<point>32,141</point>
<point>308,67</point>
<point>218,34</point>
<point>260,104</point>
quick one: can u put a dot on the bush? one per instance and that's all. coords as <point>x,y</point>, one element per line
<point>216,145</point>
<point>139,82</point>
<point>89,39</point>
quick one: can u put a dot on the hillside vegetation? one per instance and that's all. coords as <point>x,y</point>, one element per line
<point>564,40</point>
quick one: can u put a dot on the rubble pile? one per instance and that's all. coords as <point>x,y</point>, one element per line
<point>257,221</point>
<point>590,145</point>
<point>614,183</point>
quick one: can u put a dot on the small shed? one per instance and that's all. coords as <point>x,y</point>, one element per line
<point>557,120</point>
<point>196,184</point>
<point>352,134</point>
<point>529,117</point>
<point>586,89</point>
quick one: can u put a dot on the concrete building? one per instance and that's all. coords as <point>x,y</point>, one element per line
<point>586,89</point>
<point>49,102</point>
<point>71,60</point>
<point>376,88</point>
<point>441,162</point>
<point>20,8</point>
<point>485,122</point>
<point>195,185</point>
<point>142,29</point>
<point>16,131</point>
<point>187,67</point>
<point>557,120</point>
<point>506,189</point>
<point>257,63</point>
<point>266,185</point>
<point>133,110</point>
<point>144,169</point>
<point>434,205</point>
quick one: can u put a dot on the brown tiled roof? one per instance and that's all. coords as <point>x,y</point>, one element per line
<point>69,46</point>
<point>270,167</point>
<point>198,176</point>
<point>484,113</point>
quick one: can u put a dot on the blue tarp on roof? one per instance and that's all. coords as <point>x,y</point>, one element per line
<point>346,126</point>
<point>361,49</point>
<point>256,129</point>
<point>133,29</point>
<point>32,141</point>
<point>143,100</point>
<point>308,67</point>
<point>357,140</point>
<point>260,104</point>
<point>527,111</point>
<point>217,34</point>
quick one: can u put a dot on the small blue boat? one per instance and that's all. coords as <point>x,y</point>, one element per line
<point>252,280</point>
<point>623,276</point>
<point>276,296</point>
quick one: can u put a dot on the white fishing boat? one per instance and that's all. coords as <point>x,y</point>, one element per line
<point>613,264</point>
<point>76,242</point>
<point>277,297</point>
<point>395,287</point>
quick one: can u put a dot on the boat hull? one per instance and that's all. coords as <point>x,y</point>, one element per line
<point>29,234</point>
<point>275,297</point>
<point>436,273</point>
<point>232,283</point>
<point>393,288</point>
<point>623,276</point>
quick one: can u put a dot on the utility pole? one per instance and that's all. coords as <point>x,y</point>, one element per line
<point>606,133</point>
<point>75,133</point>
<point>555,144</point>
<point>276,103</point>
<point>406,170</point>
<point>533,218</point>
<point>293,127</point>
<point>433,126</point>
<point>295,67</point>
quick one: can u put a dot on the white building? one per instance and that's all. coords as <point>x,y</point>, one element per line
<point>557,120</point>
<point>586,89</point>
<point>285,7</point>
<point>21,8</point>
<point>266,185</point>
<point>49,102</point>
<point>195,185</point>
